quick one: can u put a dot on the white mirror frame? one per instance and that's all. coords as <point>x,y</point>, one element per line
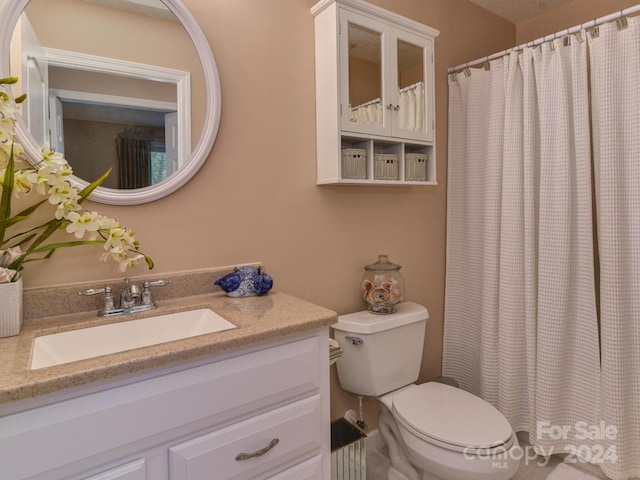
<point>10,11</point>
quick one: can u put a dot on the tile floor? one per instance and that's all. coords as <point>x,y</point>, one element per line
<point>539,469</point>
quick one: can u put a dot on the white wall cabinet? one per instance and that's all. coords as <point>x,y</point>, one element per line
<point>375,110</point>
<point>256,414</point>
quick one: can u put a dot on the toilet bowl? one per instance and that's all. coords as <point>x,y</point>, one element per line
<point>433,431</point>
<point>446,433</point>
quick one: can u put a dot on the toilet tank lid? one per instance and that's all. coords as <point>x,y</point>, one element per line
<point>365,322</point>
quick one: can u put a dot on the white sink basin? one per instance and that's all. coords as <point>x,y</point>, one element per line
<point>92,342</point>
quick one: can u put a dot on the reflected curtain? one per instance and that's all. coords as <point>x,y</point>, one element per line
<point>521,327</point>
<point>134,158</point>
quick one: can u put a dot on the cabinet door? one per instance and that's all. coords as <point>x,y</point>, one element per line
<point>130,471</point>
<point>364,66</point>
<point>412,77</point>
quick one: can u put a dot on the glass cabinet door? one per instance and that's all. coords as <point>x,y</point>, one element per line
<point>413,117</point>
<point>363,81</point>
<point>385,79</point>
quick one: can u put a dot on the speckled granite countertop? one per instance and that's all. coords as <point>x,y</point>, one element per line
<point>258,319</point>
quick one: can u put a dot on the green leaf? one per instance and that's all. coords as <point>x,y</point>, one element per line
<point>51,227</point>
<point>8,80</point>
<point>49,249</point>
<point>55,246</point>
<point>10,221</point>
<point>24,240</point>
<point>28,211</point>
<point>20,234</point>
<point>150,263</point>
<point>20,217</point>
<point>86,191</point>
<point>5,198</point>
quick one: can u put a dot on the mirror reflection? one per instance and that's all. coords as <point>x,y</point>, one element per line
<point>365,75</point>
<point>411,114</point>
<point>109,84</point>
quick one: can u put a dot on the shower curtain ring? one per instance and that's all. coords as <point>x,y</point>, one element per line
<point>622,23</point>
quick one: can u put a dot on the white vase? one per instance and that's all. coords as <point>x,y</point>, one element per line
<point>10,308</point>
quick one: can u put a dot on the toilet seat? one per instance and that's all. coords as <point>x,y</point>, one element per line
<point>452,418</point>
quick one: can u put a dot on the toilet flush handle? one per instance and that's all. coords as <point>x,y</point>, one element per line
<point>354,340</point>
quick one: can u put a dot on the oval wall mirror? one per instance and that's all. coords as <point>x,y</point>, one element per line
<point>130,85</point>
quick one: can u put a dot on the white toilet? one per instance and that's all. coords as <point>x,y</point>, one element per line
<point>433,431</point>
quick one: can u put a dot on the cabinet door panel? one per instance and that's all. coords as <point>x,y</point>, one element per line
<point>291,432</point>
<point>413,114</point>
<point>364,56</point>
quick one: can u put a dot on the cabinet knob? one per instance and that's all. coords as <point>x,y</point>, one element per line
<point>390,106</point>
<point>396,108</point>
<point>258,453</point>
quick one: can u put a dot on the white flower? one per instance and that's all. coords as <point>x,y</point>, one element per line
<point>107,223</point>
<point>126,262</point>
<point>68,204</point>
<point>41,178</point>
<point>6,137</point>
<point>53,158</point>
<point>79,224</point>
<point>21,184</point>
<point>60,192</point>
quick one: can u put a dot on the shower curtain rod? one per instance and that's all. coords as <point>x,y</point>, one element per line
<point>547,38</point>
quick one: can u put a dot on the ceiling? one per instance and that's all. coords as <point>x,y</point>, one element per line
<point>518,10</point>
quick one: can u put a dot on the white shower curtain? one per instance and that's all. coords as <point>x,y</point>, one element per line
<point>615,84</point>
<point>521,325</point>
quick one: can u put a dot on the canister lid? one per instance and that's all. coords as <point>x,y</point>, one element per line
<point>383,263</point>
<point>366,322</point>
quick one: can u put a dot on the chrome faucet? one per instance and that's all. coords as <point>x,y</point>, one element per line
<point>131,299</point>
<point>129,294</point>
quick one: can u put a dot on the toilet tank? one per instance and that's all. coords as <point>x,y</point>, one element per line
<point>381,353</point>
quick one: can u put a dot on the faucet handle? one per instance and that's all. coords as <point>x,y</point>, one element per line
<point>108,305</point>
<point>94,291</point>
<point>146,290</point>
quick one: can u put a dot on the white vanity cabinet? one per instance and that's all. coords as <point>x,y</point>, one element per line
<point>375,110</point>
<point>261,413</point>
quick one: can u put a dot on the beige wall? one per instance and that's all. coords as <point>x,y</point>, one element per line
<point>255,199</point>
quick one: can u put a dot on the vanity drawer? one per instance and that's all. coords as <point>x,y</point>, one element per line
<point>308,470</point>
<point>291,432</point>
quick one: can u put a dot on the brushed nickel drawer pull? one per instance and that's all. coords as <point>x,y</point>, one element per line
<point>258,453</point>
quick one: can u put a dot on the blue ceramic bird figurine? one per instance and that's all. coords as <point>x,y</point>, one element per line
<point>245,282</point>
<point>229,282</point>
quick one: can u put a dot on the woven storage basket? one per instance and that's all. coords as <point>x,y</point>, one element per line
<point>385,166</point>
<point>415,166</point>
<point>354,163</point>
